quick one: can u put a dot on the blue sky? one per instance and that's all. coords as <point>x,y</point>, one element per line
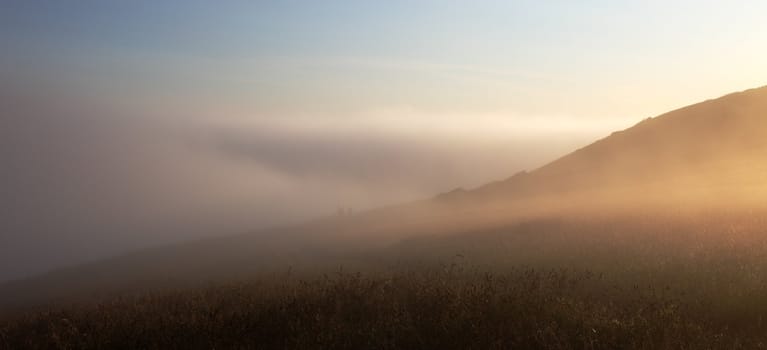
<point>594,59</point>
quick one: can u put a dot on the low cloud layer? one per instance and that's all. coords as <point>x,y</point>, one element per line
<point>82,182</point>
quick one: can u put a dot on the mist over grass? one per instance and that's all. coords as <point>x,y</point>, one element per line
<point>382,175</point>
<point>640,280</point>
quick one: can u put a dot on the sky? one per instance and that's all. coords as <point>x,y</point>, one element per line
<point>128,124</point>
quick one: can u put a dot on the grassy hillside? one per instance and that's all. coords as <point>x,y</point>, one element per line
<point>716,142</point>
<point>641,281</point>
<point>652,238</point>
<point>708,155</point>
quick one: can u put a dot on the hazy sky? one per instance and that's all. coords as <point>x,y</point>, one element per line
<point>347,59</point>
<point>129,123</point>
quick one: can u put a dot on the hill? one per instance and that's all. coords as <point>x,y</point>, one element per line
<point>701,156</point>
<point>718,142</point>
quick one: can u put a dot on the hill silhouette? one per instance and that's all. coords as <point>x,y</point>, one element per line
<point>711,151</point>
<point>716,142</point>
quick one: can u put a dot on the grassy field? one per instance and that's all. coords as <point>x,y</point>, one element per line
<point>645,282</point>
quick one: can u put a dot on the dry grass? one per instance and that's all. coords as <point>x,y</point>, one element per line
<point>695,284</point>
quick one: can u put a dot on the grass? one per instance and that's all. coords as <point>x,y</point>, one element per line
<point>696,283</point>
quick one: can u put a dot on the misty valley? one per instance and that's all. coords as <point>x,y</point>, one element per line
<point>651,238</point>
<point>402,174</point>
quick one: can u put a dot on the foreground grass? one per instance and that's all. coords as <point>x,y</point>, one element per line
<point>628,283</point>
<point>452,308</point>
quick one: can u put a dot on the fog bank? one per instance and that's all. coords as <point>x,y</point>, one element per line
<point>85,179</point>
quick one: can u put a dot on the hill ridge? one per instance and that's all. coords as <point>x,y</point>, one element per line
<point>708,116</point>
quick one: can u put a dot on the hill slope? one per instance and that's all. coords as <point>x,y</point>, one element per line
<point>716,144</point>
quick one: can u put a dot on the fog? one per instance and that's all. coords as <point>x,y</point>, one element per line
<point>84,179</point>
<point>130,125</point>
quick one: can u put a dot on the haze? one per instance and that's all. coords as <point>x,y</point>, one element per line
<point>132,124</point>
